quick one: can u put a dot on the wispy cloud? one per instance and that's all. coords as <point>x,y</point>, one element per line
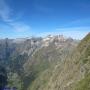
<point>78,22</point>
<point>6,13</point>
<point>20,27</point>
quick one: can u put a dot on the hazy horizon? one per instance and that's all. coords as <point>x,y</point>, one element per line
<point>25,18</point>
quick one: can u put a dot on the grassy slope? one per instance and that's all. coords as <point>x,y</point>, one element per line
<point>84,48</point>
<point>51,74</point>
<point>72,74</point>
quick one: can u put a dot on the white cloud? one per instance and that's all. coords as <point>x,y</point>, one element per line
<point>5,14</point>
<point>5,11</point>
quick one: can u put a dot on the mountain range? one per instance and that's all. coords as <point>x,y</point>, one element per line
<point>53,62</point>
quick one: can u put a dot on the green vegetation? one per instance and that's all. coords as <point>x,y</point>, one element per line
<point>30,67</point>
<point>14,81</point>
<point>84,43</point>
<point>3,77</point>
<point>83,84</point>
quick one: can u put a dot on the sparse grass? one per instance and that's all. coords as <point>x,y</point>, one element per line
<point>84,84</point>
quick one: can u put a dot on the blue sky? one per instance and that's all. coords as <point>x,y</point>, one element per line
<point>25,18</point>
